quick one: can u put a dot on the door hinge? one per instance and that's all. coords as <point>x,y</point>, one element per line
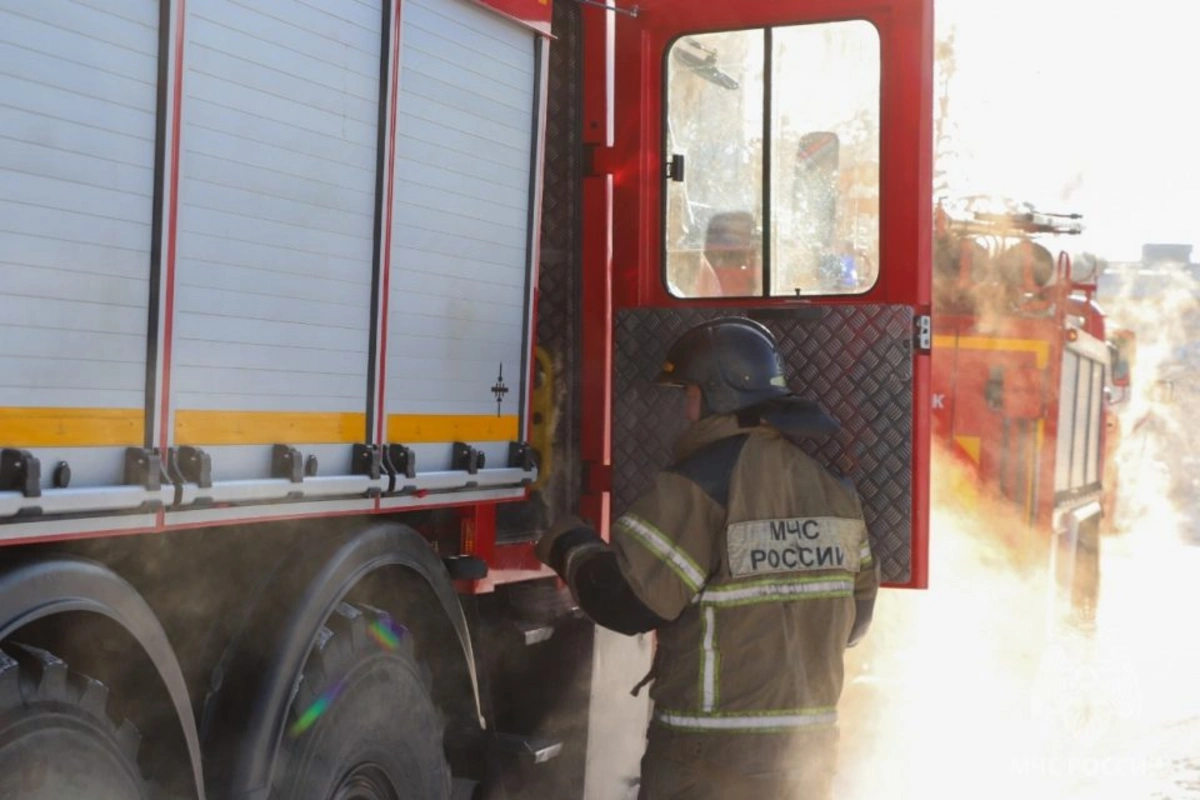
<point>923,338</point>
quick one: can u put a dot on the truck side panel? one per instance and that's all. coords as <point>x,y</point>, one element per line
<point>241,240</point>
<point>77,188</point>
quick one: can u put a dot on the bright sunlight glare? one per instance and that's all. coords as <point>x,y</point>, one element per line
<point>975,688</point>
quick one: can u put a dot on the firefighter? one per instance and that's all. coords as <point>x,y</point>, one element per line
<point>731,248</point>
<point>753,565</point>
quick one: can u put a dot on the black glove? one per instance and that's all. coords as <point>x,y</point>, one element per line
<point>545,549</point>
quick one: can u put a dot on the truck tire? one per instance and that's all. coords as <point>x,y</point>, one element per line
<point>56,737</point>
<point>363,724</point>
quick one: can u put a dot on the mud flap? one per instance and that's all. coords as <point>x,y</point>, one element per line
<point>618,720</point>
<point>1074,564</point>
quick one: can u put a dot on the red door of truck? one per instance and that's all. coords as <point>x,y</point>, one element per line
<point>771,159</point>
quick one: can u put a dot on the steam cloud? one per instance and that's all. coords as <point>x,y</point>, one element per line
<point>974,688</point>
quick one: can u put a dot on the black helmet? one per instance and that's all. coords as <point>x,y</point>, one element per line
<point>733,360</point>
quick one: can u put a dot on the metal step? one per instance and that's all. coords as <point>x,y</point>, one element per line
<point>463,789</point>
<point>530,749</point>
<point>466,568</point>
<point>539,601</point>
<point>533,632</point>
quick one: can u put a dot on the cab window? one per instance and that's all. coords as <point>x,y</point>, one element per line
<point>772,185</point>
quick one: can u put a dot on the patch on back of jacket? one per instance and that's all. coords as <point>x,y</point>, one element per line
<point>796,544</point>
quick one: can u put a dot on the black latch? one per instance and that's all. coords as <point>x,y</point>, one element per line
<point>20,472</point>
<point>402,459</point>
<point>366,460</point>
<point>144,467</point>
<point>398,462</point>
<point>62,475</point>
<point>674,168</point>
<point>389,469</point>
<point>286,462</point>
<point>467,458</point>
<point>522,456</point>
<point>173,475</point>
<point>195,466</point>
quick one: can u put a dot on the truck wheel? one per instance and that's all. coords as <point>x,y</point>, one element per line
<point>56,738</point>
<point>363,725</point>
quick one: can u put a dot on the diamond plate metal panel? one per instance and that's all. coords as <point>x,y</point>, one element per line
<point>855,360</point>
<point>558,274</point>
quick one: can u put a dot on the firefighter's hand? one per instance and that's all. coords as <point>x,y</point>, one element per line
<point>545,545</point>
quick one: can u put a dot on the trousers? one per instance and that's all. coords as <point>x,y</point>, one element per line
<point>716,766</point>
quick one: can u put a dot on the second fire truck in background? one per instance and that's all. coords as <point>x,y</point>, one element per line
<point>1023,382</point>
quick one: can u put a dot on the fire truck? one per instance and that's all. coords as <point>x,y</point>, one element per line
<point>315,313</point>
<point>1024,381</point>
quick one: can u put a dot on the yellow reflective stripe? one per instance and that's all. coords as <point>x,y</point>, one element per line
<point>749,722</point>
<point>864,555</point>
<point>431,428</point>
<point>124,427</point>
<point>663,549</point>
<point>1039,348</point>
<point>768,592</point>
<point>708,660</point>
<point>337,427</point>
<point>72,427</point>
<point>214,428</point>
<point>743,583</point>
<point>971,445</point>
<point>716,674</point>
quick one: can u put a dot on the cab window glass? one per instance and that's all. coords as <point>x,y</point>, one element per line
<point>773,187</point>
<point>715,90</point>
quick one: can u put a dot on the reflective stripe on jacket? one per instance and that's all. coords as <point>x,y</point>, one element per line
<point>758,557</point>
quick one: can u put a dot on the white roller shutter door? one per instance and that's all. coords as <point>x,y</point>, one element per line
<point>277,206</point>
<point>78,85</point>
<point>460,237</point>
<point>78,112</point>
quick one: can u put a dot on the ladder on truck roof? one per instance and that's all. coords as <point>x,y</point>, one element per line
<point>1029,221</point>
<point>1034,222</point>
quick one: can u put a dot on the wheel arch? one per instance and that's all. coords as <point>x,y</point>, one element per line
<point>42,588</point>
<point>311,586</point>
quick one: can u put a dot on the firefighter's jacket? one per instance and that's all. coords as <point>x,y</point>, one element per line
<point>758,561</point>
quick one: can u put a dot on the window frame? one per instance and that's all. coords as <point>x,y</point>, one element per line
<point>766,166</point>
